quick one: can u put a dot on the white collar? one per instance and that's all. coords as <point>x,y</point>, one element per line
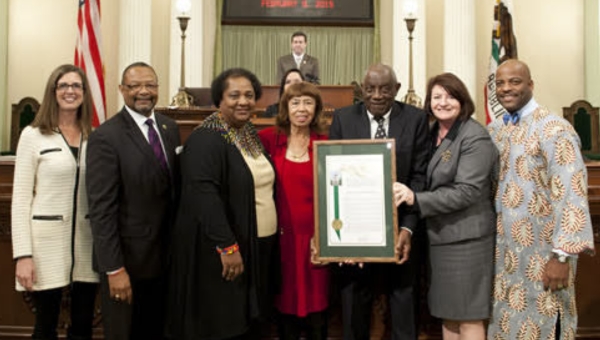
<point>139,118</point>
<point>528,108</point>
<point>386,116</point>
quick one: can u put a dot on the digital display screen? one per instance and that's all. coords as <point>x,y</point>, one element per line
<point>294,12</point>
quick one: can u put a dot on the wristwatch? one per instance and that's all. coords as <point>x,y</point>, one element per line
<point>562,258</point>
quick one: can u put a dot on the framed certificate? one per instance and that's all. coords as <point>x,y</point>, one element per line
<point>355,217</point>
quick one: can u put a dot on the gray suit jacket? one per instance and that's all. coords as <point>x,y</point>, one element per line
<point>458,204</point>
<point>309,67</point>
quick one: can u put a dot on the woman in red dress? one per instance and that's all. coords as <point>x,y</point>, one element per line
<point>304,297</point>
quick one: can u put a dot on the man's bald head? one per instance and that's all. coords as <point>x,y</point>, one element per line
<point>517,64</point>
<point>381,69</point>
<point>514,86</point>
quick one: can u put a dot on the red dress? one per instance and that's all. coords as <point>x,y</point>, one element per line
<point>304,287</point>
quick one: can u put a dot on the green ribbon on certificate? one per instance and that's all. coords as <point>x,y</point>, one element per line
<point>336,181</point>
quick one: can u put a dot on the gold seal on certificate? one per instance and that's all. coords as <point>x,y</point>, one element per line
<point>337,224</point>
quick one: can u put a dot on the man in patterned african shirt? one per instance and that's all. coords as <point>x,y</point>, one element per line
<point>543,216</point>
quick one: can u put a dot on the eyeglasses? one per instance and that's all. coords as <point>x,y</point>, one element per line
<point>138,87</point>
<point>64,86</point>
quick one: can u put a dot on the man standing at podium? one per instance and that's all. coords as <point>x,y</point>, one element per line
<point>308,65</point>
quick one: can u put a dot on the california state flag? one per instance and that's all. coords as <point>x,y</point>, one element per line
<point>504,46</point>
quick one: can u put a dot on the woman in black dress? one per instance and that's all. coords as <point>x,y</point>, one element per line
<point>224,242</point>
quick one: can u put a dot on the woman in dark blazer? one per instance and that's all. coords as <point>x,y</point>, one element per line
<point>459,211</point>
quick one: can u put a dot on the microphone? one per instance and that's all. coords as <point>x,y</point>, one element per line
<point>311,78</point>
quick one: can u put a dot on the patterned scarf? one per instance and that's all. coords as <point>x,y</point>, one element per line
<point>244,138</point>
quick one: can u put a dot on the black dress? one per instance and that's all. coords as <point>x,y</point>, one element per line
<point>217,209</point>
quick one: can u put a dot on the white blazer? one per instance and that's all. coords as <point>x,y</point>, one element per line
<point>49,210</point>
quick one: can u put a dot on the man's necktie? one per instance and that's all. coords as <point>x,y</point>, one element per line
<point>155,144</point>
<point>380,133</point>
<point>514,118</point>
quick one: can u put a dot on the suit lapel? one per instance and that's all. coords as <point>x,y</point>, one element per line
<point>291,61</point>
<point>280,149</point>
<point>443,152</point>
<point>436,157</point>
<point>167,138</point>
<point>363,125</point>
<point>304,62</point>
<point>396,128</point>
<point>135,134</point>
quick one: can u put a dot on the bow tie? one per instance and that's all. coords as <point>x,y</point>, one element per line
<point>514,118</point>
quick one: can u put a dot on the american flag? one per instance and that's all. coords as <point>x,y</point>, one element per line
<point>88,55</point>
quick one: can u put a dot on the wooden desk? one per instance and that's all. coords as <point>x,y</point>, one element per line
<point>334,96</point>
<point>191,118</point>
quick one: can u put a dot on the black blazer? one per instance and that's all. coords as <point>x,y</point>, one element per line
<point>132,199</point>
<point>409,127</point>
<point>458,203</point>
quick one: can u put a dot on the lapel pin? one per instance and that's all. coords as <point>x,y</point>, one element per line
<point>446,155</point>
<point>164,126</point>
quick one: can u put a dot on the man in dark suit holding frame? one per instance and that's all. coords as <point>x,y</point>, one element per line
<point>380,116</point>
<point>131,181</point>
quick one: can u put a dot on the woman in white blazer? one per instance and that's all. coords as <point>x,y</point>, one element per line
<point>458,209</point>
<point>51,235</point>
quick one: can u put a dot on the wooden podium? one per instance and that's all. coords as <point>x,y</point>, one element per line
<point>334,96</point>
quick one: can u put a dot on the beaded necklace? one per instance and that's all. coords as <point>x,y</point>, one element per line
<point>244,138</point>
